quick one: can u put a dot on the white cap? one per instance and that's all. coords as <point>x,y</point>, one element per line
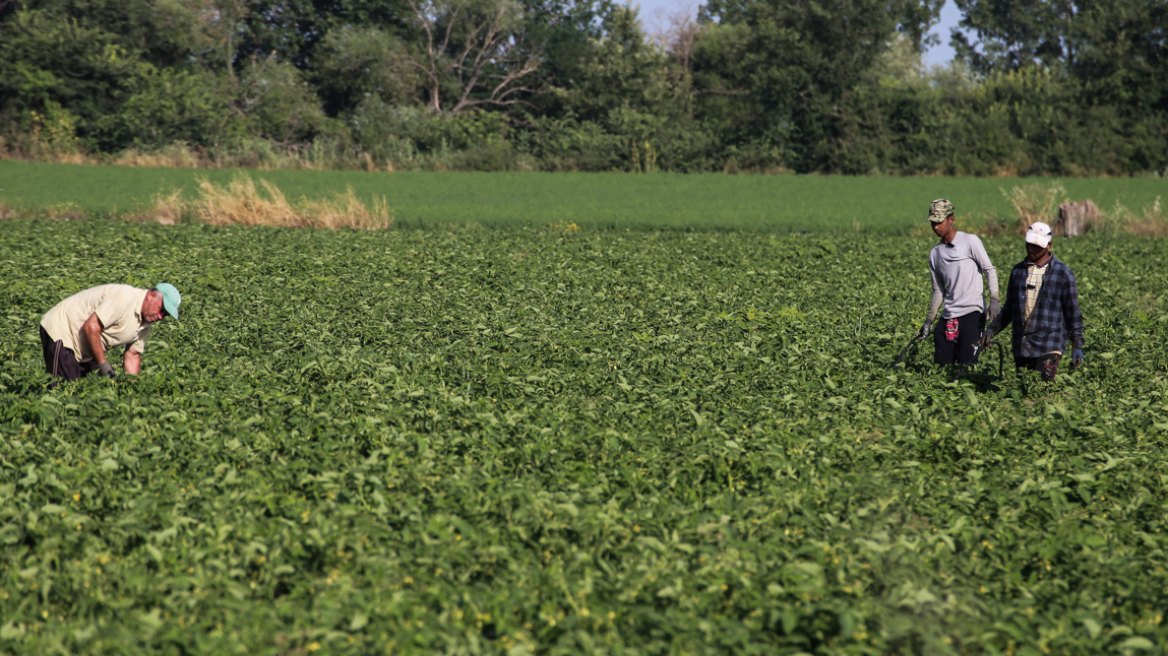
<point>1039,235</point>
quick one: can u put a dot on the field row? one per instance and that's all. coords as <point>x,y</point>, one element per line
<point>479,441</point>
<point>621,201</point>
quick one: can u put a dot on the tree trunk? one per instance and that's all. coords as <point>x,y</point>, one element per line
<point>1075,218</point>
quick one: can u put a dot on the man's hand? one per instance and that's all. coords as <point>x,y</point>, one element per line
<point>995,308</point>
<point>107,370</point>
<point>1077,357</point>
<point>985,339</point>
<point>924,331</point>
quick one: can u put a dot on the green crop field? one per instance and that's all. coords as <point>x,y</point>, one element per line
<point>530,441</point>
<point>616,200</point>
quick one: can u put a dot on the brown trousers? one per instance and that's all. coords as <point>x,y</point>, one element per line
<point>60,362</point>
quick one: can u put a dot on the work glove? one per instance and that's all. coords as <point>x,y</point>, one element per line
<point>995,308</point>
<point>1077,357</point>
<point>985,339</point>
<point>924,331</point>
<point>107,370</point>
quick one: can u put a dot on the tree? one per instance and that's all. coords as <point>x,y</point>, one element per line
<point>219,27</point>
<point>293,29</point>
<point>567,32</point>
<point>84,59</point>
<point>77,69</point>
<point>473,53</point>
<point>1014,34</point>
<point>676,33</point>
<point>1122,56</point>
<point>1116,51</point>
<point>781,71</point>
<point>166,106</point>
<point>353,63</point>
<point>272,100</point>
<point>620,69</point>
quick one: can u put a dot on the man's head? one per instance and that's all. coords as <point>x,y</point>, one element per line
<point>1038,238</point>
<point>162,301</point>
<point>941,216</point>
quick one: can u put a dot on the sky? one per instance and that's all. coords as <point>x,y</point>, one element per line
<point>652,10</point>
<point>941,53</point>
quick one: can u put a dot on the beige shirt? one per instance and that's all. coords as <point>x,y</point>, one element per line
<point>118,307</point>
<point>1034,277</point>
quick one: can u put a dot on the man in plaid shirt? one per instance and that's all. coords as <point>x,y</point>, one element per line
<point>1042,300</point>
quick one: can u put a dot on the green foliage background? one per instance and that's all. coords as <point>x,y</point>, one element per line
<point>1073,88</point>
<point>602,442</point>
<point>601,200</point>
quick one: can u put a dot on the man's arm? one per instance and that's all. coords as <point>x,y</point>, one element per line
<point>991,274</point>
<point>91,329</point>
<point>934,302</point>
<point>131,361</point>
<point>1072,318</point>
<point>1004,317</point>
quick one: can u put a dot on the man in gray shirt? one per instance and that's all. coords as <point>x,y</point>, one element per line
<point>956,266</point>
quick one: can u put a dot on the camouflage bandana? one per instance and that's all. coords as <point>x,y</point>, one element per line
<point>940,210</point>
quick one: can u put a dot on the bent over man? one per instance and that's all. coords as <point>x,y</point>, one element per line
<point>78,331</point>
<point>956,266</point>
<point>1042,301</point>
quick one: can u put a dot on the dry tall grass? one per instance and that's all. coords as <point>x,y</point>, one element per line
<point>167,209</point>
<point>240,202</point>
<point>50,157</point>
<point>1035,202</point>
<point>176,156</point>
<point>345,210</point>
<point>67,211</point>
<point>255,154</point>
<point>1150,222</point>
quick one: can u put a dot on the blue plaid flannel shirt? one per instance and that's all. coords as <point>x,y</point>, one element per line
<point>1056,315</point>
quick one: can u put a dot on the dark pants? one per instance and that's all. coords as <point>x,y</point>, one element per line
<point>1047,365</point>
<point>969,328</point>
<point>61,362</point>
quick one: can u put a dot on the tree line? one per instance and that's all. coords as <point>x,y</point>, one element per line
<point>1061,87</point>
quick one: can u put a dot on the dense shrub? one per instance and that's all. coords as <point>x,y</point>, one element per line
<point>752,86</point>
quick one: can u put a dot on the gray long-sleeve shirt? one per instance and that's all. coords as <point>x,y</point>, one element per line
<point>956,269</point>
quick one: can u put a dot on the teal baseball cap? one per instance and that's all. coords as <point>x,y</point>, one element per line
<point>170,298</point>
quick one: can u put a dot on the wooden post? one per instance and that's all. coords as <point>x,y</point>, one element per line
<point>1075,218</point>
